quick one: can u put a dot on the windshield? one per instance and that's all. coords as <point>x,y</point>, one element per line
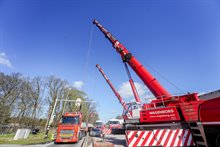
<point>70,120</point>
<point>99,124</point>
<point>95,129</point>
<point>114,122</point>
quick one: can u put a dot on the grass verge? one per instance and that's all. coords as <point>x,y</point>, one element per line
<point>32,139</point>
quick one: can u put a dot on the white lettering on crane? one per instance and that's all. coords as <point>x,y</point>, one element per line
<point>162,111</point>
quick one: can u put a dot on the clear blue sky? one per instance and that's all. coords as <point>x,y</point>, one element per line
<point>179,39</point>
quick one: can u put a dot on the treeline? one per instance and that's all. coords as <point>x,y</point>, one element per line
<point>28,101</point>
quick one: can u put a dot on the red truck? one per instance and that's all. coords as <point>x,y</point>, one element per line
<point>116,126</point>
<point>71,128</point>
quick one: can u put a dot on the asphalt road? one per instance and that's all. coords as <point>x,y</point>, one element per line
<point>78,144</point>
<point>117,140</point>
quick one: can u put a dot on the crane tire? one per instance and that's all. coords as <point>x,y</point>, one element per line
<point>217,140</point>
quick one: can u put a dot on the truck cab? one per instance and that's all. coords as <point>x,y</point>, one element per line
<point>99,124</point>
<point>116,126</point>
<point>69,129</point>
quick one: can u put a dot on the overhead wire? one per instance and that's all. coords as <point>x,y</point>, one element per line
<point>88,55</point>
<point>87,63</point>
<point>163,77</point>
<point>89,49</point>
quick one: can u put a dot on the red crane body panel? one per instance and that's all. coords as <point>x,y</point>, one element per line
<point>166,114</point>
<point>210,111</point>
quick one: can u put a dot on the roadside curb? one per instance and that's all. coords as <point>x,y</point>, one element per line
<point>102,144</point>
<point>39,143</point>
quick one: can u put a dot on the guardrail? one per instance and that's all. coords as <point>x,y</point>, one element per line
<point>85,141</point>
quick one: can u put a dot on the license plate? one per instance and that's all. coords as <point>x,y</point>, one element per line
<point>65,135</point>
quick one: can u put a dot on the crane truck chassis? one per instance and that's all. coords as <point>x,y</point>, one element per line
<point>168,120</point>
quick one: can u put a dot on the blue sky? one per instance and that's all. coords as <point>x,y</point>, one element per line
<point>178,39</point>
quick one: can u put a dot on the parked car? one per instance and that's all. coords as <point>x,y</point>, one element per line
<point>35,131</point>
<point>96,132</point>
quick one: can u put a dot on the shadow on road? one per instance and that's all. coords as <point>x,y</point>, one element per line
<point>116,141</point>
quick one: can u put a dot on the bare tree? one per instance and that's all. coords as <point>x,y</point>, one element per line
<point>56,89</point>
<point>73,94</point>
<point>25,101</point>
<point>90,114</point>
<point>9,91</point>
<point>38,90</point>
<point>22,99</point>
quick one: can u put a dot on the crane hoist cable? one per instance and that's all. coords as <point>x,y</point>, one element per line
<point>166,79</point>
<point>88,54</point>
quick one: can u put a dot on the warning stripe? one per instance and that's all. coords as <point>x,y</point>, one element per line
<point>139,138</point>
<point>163,137</point>
<point>157,140</point>
<point>175,136</point>
<point>148,135</point>
<point>154,139</point>
<point>180,134</point>
<point>106,131</point>
<point>132,138</point>
<point>168,137</point>
<point>186,141</point>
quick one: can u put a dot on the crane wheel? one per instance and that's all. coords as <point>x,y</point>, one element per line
<point>218,140</point>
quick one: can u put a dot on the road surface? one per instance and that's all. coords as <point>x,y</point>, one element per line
<point>78,144</point>
<point>117,140</point>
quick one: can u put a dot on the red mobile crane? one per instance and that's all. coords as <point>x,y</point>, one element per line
<point>128,114</point>
<point>112,87</point>
<point>183,120</point>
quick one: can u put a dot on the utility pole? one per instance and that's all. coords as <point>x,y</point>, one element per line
<point>50,120</point>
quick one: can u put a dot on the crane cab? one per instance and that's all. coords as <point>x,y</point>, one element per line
<point>132,114</point>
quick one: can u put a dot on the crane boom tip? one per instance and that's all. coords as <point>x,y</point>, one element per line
<point>95,21</point>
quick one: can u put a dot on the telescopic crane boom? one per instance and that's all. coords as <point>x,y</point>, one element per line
<point>151,82</point>
<point>112,87</point>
